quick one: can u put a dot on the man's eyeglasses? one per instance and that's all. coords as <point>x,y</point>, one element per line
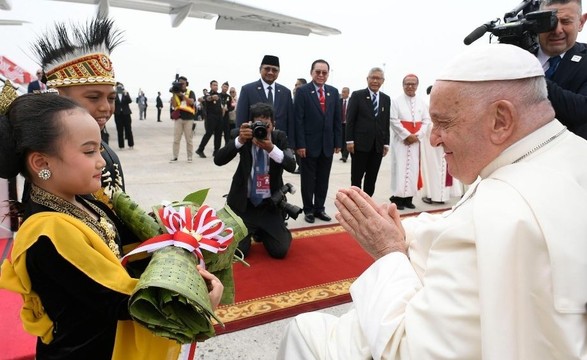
<point>410,84</point>
<point>270,69</point>
<point>321,72</point>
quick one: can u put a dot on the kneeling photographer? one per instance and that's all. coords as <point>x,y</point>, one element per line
<point>257,192</point>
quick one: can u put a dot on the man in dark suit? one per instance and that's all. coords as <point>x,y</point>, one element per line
<point>258,91</point>
<point>37,85</point>
<point>318,136</point>
<point>344,103</point>
<point>122,117</point>
<point>565,63</point>
<point>213,121</point>
<point>257,177</point>
<point>159,106</point>
<point>367,130</point>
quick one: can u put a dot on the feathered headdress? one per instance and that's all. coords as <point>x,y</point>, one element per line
<point>78,55</point>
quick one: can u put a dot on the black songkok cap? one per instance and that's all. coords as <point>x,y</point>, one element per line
<point>270,60</point>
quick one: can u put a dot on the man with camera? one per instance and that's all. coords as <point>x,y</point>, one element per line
<point>183,105</point>
<point>565,63</point>
<point>257,183</point>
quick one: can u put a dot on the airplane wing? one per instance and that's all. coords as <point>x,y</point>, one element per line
<point>231,15</point>
<point>12,22</point>
<point>5,5</point>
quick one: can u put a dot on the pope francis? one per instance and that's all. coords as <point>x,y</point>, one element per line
<point>503,274</point>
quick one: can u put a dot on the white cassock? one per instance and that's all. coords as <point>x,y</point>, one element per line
<point>434,170</point>
<point>409,115</point>
<point>503,275</point>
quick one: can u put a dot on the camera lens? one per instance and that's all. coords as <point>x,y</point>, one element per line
<point>260,132</point>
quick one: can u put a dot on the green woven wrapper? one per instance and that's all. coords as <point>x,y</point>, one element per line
<point>219,264</point>
<point>145,227</point>
<point>140,223</point>
<point>171,298</point>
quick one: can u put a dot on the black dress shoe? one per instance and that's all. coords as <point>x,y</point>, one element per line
<point>397,202</point>
<point>343,160</point>
<point>427,200</point>
<point>201,154</point>
<point>322,216</point>
<point>409,206</point>
<point>309,218</point>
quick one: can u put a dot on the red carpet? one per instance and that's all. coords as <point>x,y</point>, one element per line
<point>15,343</point>
<point>320,267</point>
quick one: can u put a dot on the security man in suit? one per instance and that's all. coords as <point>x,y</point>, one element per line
<point>367,130</point>
<point>345,92</point>
<point>278,96</point>
<point>257,177</point>
<point>565,63</point>
<point>122,117</point>
<point>318,136</point>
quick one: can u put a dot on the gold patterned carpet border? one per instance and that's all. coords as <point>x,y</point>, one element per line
<point>283,301</point>
<point>316,231</point>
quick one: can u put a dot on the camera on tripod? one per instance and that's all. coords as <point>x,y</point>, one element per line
<point>521,26</point>
<point>278,198</point>
<point>259,130</point>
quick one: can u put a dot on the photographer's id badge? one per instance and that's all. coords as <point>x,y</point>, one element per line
<point>262,187</point>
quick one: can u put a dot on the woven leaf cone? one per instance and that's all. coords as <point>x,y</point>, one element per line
<point>152,305</point>
<point>219,264</point>
<point>140,223</point>
<point>171,298</point>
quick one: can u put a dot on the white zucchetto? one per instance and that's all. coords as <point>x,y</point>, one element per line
<point>490,62</point>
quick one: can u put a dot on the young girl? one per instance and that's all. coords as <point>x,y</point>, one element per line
<point>65,259</point>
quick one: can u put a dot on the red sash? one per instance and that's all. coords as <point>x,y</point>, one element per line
<point>414,127</point>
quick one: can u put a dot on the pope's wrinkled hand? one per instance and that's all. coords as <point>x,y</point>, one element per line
<point>377,228</point>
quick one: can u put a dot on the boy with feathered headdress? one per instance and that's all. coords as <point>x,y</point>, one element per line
<point>76,62</point>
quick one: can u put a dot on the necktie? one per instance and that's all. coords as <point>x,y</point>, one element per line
<point>322,99</point>
<point>270,95</point>
<point>375,105</point>
<point>553,61</point>
<point>259,168</point>
<point>344,111</point>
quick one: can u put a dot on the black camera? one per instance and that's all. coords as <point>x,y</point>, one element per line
<point>176,87</point>
<point>278,198</point>
<point>521,26</point>
<point>259,130</point>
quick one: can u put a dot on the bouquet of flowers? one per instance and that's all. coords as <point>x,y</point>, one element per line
<point>171,298</point>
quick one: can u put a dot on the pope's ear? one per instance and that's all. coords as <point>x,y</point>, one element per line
<point>504,116</point>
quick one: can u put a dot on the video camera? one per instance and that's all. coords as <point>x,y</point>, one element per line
<point>176,85</point>
<point>278,198</point>
<point>259,130</point>
<point>521,26</point>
